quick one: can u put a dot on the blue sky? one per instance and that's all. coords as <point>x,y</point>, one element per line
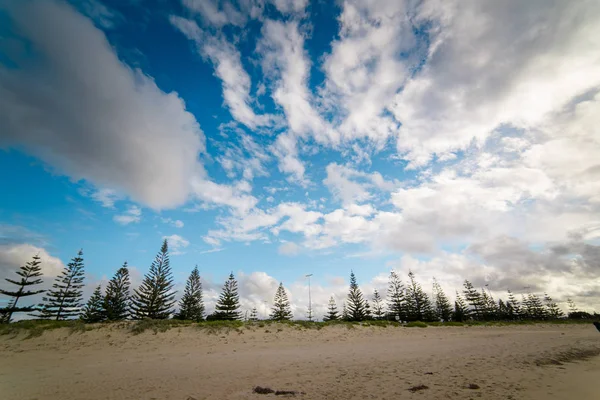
<point>275,138</point>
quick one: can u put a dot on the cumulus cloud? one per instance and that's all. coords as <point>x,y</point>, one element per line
<point>513,63</point>
<point>177,244</point>
<point>138,139</point>
<point>173,222</point>
<point>132,215</point>
<point>228,68</point>
<point>289,249</point>
<point>350,185</point>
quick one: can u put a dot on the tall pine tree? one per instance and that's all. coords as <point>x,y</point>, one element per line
<point>94,309</point>
<point>513,308</point>
<point>254,315</point>
<point>474,300</point>
<point>552,309</point>
<point>378,312</point>
<point>396,297</point>
<point>116,299</point>
<point>355,306</point>
<point>332,312</point>
<point>281,310</point>
<point>461,312</point>
<point>155,297</point>
<point>418,305</point>
<point>229,301</point>
<point>443,307</point>
<point>30,274</point>
<point>65,299</point>
<point>191,306</point>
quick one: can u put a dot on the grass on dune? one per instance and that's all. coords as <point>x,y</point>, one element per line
<point>35,328</point>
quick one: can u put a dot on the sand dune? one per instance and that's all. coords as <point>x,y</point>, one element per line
<point>516,362</point>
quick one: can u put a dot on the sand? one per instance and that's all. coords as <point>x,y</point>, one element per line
<point>332,363</point>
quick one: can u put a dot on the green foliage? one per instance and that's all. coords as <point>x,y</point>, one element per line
<point>460,309</point>
<point>443,307</point>
<point>65,299</point>
<point>156,325</point>
<point>378,312</point>
<point>281,310</point>
<point>396,297</point>
<point>253,315</point>
<point>30,274</point>
<point>154,298</point>
<point>94,309</point>
<point>223,326</point>
<point>416,324</point>
<point>418,305</point>
<point>35,328</point>
<point>191,306</point>
<point>116,300</point>
<point>552,309</point>
<point>474,300</point>
<point>355,307</point>
<point>332,312</point>
<point>229,302</point>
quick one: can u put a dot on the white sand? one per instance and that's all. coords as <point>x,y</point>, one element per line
<point>333,363</point>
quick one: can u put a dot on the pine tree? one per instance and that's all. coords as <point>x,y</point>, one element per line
<point>155,297</point>
<point>513,307</point>
<point>534,307</point>
<point>345,316</point>
<point>572,308</point>
<point>461,312</point>
<point>94,309</point>
<point>378,312</point>
<point>254,315</point>
<point>332,312</point>
<point>368,313</point>
<point>473,298</point>
<point>64,300</point>
<point>552,309</point>
<point>229,301</point>
<point>281,310</point>
<point>503,310</point>
<point>30,274</point>
<point>443,307</point>
<point>116,299</point>
<point>191,306</point>
<point>488,306</point>
<point>418,305</point>
<point>396,298</point>
<point>356,302</point>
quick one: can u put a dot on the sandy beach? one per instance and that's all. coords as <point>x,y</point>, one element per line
<point>514,362</point>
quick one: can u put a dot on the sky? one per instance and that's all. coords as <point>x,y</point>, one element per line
<point>279,138</point>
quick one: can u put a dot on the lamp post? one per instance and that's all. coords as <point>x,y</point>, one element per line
<point>309,300</point>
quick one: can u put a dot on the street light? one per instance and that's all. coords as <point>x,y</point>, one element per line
<point>309,301</point>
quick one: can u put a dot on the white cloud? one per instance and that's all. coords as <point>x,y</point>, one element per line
<point>290,6</point>
<point>289,249</point>
<point>132,215</point>
<point>350,185</point>
<point>513,63</point>
<point>173,222</point>
<point>106,197</point>
<point>176,244</point>
<point>228,68</point>
<point>138,139</point>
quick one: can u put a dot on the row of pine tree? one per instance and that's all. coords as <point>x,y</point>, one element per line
<point>155,299</point>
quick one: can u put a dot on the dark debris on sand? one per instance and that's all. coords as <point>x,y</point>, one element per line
<point>473,386</point>
<point>267,390</point>
<point>417,388</point>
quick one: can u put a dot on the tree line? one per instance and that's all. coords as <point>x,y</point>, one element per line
<point>155,299</point>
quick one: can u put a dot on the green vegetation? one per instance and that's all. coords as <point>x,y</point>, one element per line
<point>35,328</point>
<point>416,324</point>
